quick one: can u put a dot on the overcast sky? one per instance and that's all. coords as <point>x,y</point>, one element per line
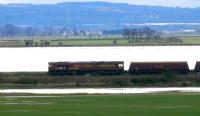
<point>173,3</point>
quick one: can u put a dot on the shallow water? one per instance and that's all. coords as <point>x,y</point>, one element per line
<point>102,90</point>
<point>36,59</point>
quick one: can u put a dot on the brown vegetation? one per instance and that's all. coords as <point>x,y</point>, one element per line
<point>43,80</point>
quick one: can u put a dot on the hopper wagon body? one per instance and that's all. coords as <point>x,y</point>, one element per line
<point>158,67</point>
<point>197,67</point>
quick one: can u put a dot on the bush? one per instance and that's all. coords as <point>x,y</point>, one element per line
<point>28,43</point>
<point>60,43</point>
<point>169,75</point>
<point>120,82</point>
<point>114,42</point>
<point>135,81</point>
<point>46,43</point>
<point>41,44</point>
<point>36,44</point>
<point>77,83</point>
<point>27,81</point>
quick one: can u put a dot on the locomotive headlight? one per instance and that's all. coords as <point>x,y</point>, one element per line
<point>50,65</point>
<point>121,65</point>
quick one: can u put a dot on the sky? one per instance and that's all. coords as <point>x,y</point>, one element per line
<point>19,58</point>
<point>169,3</point>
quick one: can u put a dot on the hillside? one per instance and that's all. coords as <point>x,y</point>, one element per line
<point>93,14</point>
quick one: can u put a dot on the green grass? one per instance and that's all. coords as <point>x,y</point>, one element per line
<point>65,42</point>
<point>84,42</point>
<point>170,104</point>
<point>191,40</point>
<point>37,42</point>
<point>12,43</point>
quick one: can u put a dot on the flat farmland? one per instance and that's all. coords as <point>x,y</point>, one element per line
<point>111,41</point>
<point>166,104</point>
<point>191,40</point>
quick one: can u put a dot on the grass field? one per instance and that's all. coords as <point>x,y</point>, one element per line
<point>191,40</point>
<point>37,42</point>
<point>65,42</point>
<point>89,42</point>
<point>168,104</point>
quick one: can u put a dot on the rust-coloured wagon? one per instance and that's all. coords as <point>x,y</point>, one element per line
<point>197,67</point>
<point>158,67</point>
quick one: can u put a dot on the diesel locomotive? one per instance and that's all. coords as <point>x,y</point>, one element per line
<point>82,68</point>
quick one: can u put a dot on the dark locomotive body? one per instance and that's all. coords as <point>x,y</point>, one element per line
<point>158,67</point>
<point>82,68</point>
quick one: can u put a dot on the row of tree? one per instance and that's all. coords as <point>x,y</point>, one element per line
<point>28,31</point>
<point>16,31</point>
<point>133,34</point>
<point>136,34</point>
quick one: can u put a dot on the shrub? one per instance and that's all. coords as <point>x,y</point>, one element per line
<point>46,43</point>
<point>28,43</point>
<point>120,82</point>
<point>60,43</point>
<point>169,75</point>
<point>27,81</point>
<point>114,42</point>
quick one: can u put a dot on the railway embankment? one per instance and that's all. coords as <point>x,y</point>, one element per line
<point>43,80</point>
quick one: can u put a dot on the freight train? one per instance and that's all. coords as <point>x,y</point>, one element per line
<point>117,68</point>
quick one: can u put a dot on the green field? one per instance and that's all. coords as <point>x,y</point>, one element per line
<point>111,41</point>
<point>169,104</point>
<point>45,42</point>
<point>191,40</point>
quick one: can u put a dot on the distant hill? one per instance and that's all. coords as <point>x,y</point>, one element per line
<point>93,14</point>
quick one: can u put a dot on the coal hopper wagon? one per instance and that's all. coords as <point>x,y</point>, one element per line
<point>158,67</point>
<point>197,67</point>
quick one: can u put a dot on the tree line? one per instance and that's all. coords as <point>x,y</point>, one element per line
<point>10,30</point>
<point>132,34</point>
<point>137,34</point>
